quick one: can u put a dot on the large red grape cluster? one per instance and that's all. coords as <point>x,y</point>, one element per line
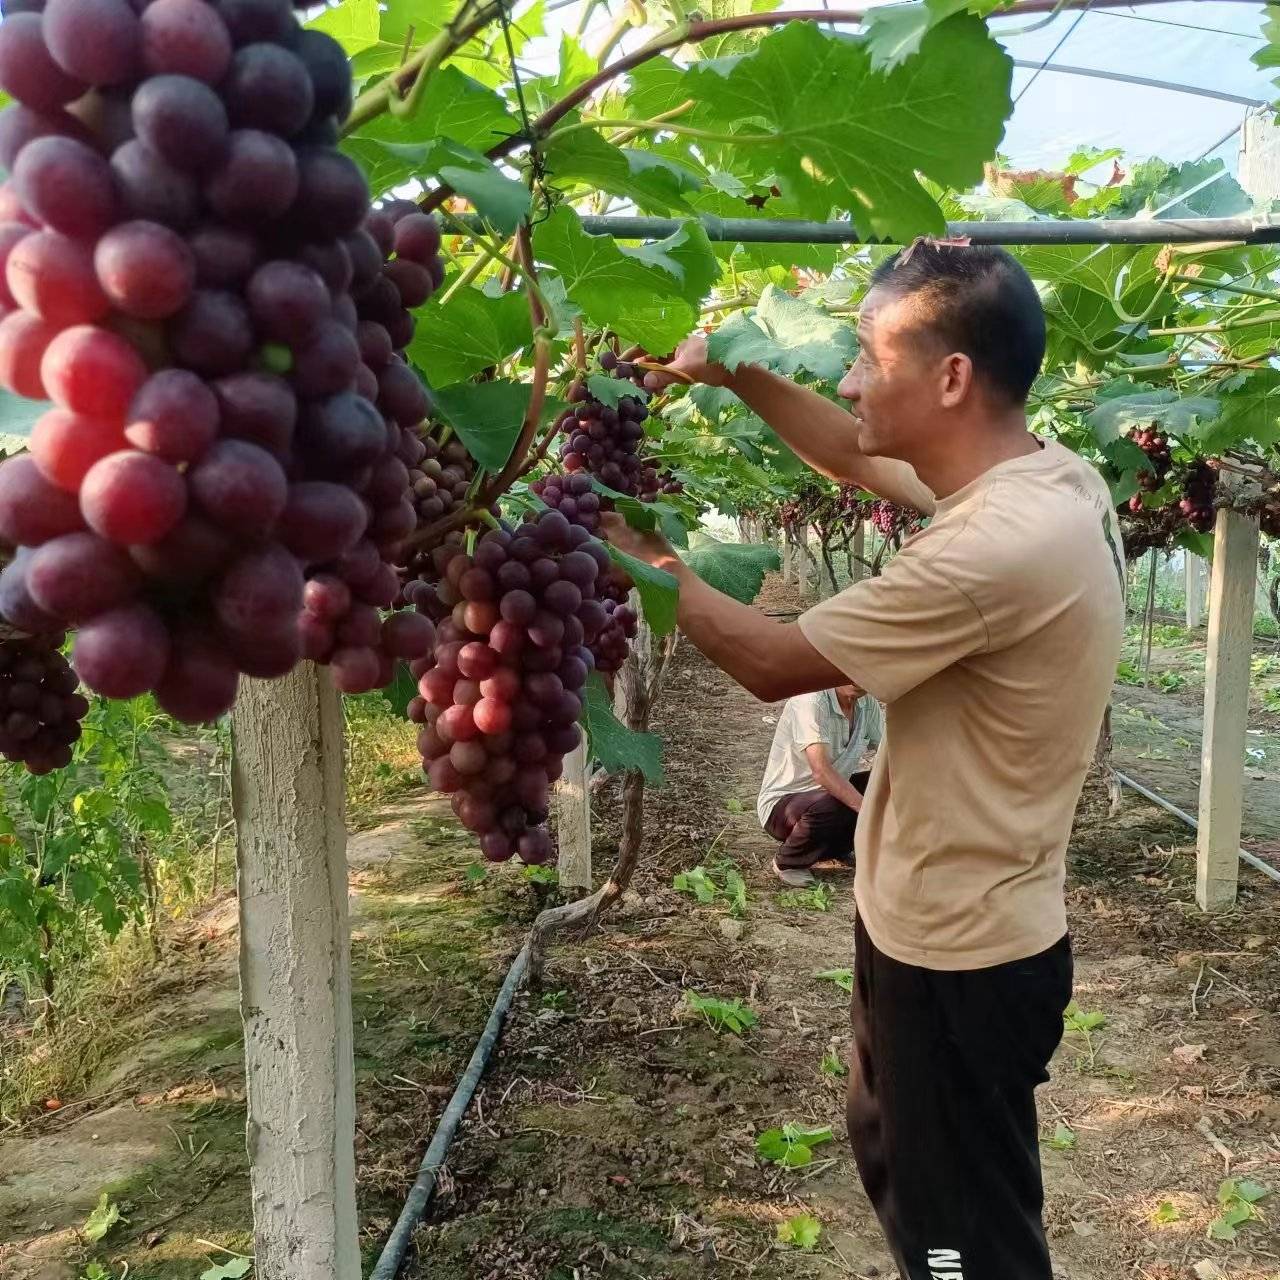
<point>192,277</point>
<point>41,705</point>
<point>500,700</point>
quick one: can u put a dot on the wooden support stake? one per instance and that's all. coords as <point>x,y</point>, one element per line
<point>288,792</point>
<point>1226,708</point>
<point>1193,569</point>
<point>573,822</point>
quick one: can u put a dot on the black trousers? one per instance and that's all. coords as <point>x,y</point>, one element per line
<point>942,1112</point>
<point>814,826</point>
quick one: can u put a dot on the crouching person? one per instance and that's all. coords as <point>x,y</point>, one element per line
<point>812,789</point>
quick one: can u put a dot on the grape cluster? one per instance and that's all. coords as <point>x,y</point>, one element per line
<point>40,703</point>
<point>1196,503</point>
<point>442,478</point>
<point>1156,447</point>
<point>191,275</point>
<point>574,498</point>
<point>605,442</point>
<point>400,268</point>
<point>500,699</point>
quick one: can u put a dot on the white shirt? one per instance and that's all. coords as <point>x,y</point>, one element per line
<point>807,719</point>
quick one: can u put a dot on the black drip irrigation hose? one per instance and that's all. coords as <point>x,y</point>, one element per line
<point>415,1205</point>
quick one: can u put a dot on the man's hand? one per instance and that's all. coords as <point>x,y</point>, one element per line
<point>651,547</point>
<point>691,360</point>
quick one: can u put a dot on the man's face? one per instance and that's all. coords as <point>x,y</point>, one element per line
<point>899,383</point>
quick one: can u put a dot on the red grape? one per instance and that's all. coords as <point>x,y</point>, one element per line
<point>92,371</point>
<point>132,498</point>
<point>65,445</point>
<point>145,269</point>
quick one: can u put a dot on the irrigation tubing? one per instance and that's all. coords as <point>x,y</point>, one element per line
<point>415,1205</point>
<point>1245,856</point>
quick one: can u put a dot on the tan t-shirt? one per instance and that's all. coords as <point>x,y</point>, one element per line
<point>992,639</point>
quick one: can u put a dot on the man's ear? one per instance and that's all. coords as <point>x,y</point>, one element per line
<point>956,377</point>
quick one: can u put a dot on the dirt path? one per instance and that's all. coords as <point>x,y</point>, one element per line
<point>614,1135</point>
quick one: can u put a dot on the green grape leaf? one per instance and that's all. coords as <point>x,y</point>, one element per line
<point>1250,411</point>
<point>1114,417</point>
<point>658,590</point>
<point>649,295</point>
<point>895,31</point>
<point>487,417</point>
<point>470,332</point>
<point>497,198</point>
<point>653,182</point>
<point>842,133</point>
<point>611,391</point>
<point>354,24</point>
<point>1165,1213</point>
<point>476,116</point>
<point>787,335</point>
<point>737,569</point>
<point>637,514</point>
<point>616,747</point>
<point>803,1230</point>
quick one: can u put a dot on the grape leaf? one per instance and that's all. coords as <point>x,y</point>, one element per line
<point>1250,411</point>
<point>610,391</point>
<point>803,1230</point>
<point>476,116</point>
<point>1155,182</point>
<point>737,569</point>
<point>655,183</point>
<point>1113,417</point>
<point>649,295</point>
<point>354,24</point>
<point>787,335</point>
<point>501,200</point>
<point>894,31</point>
<point>470,332</point>
<point>487,417</point>
<point>659,593</point>
<point>841,130</point>
<point>612,743</point>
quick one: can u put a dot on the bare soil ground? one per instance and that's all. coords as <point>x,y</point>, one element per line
<point>614,1136</point>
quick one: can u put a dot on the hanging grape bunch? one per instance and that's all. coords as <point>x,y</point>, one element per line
<point>1156,447</point>
<point>605,441</point>
<point>41,705</point>
<point>185,261</point>
<point>891,519</point>
<point>1196,503</point>
<point>500,700</point>
<point>395,266</point>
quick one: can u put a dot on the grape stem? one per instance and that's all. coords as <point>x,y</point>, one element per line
<point>668,126</point>
<point>496,255</point>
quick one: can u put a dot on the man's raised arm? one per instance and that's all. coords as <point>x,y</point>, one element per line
<point>821,433</point>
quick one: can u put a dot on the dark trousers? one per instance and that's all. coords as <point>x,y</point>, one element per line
<point>814,826</point>
<point>942,1112</point>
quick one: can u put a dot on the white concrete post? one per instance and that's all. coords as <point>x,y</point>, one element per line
<point>785,552</point>
<point>1193,570</point>
<point>1226,708</point>
<point>859,551</point>
<point>573,821</point>
<point>288,792</point>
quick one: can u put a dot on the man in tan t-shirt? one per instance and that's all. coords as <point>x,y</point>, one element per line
<point>992,639</point>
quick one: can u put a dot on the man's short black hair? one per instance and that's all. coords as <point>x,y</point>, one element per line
<point>979,300</point>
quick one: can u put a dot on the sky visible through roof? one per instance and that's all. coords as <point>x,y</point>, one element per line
<point>1208,45</point>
